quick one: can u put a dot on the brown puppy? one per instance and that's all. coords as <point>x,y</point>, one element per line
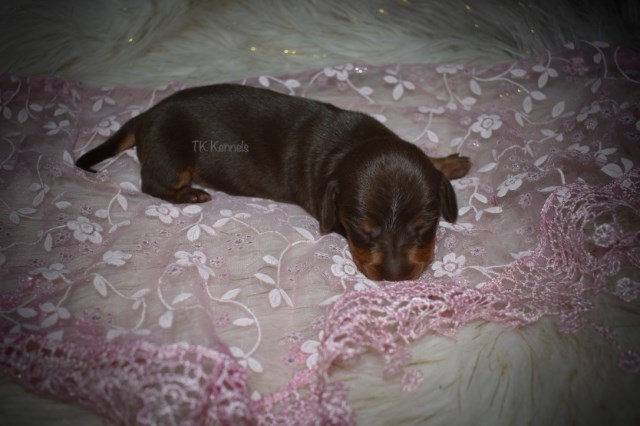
<point>345,168</point>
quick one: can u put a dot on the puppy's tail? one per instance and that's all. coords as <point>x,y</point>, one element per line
<point>121,140</point>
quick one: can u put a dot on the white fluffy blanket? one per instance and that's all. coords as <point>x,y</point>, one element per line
<point>498,332</point>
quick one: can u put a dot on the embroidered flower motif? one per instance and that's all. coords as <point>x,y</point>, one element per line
<point>576,67</point>
<point>510,184</point>
<point>83,230</point>
<point>583,149</point>
<point>604,235</point>
<point>55,128</point>
<point>310,347</point>
<point>448,68</point>
<point>54,313</point>
<point>165,212</point>
<point>587,111</point>
<point>197,259</point>
<point>341,72</point>
<point>399,84</point>
<point>465,182</point>
<point>450,265</point>
<point>485,124</point>
<point>116,257</point>
<point>627,118</point>
<point>53,272</point>
<point>108,126</point>
<point>627,289</point>
<point>591,123</point>
<point>343,267</point>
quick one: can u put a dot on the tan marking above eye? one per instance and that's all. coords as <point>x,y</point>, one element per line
<point>368,226</point>
<point>420,222</point>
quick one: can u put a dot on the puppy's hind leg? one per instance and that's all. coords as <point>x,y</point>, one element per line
<point>171,185</point>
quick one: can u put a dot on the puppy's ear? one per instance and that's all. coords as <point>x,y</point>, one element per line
<point>328,216</point>
<point>448,203</point>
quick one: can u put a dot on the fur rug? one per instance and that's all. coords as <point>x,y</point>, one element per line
<point>198,42</point>
<point>153,41</point>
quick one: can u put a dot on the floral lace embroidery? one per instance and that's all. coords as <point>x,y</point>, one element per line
<point>235,310</point>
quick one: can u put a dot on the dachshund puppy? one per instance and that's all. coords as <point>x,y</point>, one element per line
<point>350,172</point>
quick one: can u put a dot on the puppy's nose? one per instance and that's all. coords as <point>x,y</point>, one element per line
<point>397,271</point>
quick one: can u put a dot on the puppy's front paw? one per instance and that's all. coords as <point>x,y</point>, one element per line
<point>193,195</point>
<point>453,166</point>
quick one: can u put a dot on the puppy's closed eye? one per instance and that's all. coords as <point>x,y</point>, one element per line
<point>423,229</point>
<point>365,231</point>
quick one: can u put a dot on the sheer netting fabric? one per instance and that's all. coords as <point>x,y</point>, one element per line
<point>236,310</point>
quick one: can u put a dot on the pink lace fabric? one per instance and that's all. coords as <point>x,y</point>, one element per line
<point>234,311</point>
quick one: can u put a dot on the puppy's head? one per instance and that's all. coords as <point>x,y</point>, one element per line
<point>387,204</point>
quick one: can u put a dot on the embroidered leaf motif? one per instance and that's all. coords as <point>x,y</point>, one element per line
<point>236,351</point>
<point>37,200</point>
<point>263,80</point>
<point>231,294</point>
<point>138,294</point>
<point>628,164</point>
<point>540,160</point>
<point>542,80</point>
<point>62,204</point>
<point>66,157</point>
<point>464,210</point>
<point>365,91</point>
<point>275,298</point>
<point>48,242</point>
<point>194,233</point>
<point>475,87</point>
<point>480,198</point>
<point>192,209</point>
<point>23,115</point>
<point>487,167</point>
<point>122,201</point>
<point>180,298</point>
<point>254,365</point>
<point>27,312</point>
<point>432,136</point>
<point>306,234</point>
<point>166,319</point>
<point>292,84</point>
<point>209,230</point>
<point>286,298</point>
<point>397,92</point>
<point>612,170</point>
<point>271,260</point>
<point>112,334</point>
<point>557,109</point>
<point>220,222</point>
<point>47,307</point>
<point>100,284</point>
<point>128,186</point>
<point>330,300</point>
<point>49,321</point>
<point>243,322</point>
<point>527,104</point>
<point>538,96</point>
<point>264,278</point>
<point>116,257</point>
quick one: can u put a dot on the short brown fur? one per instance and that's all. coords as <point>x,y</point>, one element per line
<point>345,168</point>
